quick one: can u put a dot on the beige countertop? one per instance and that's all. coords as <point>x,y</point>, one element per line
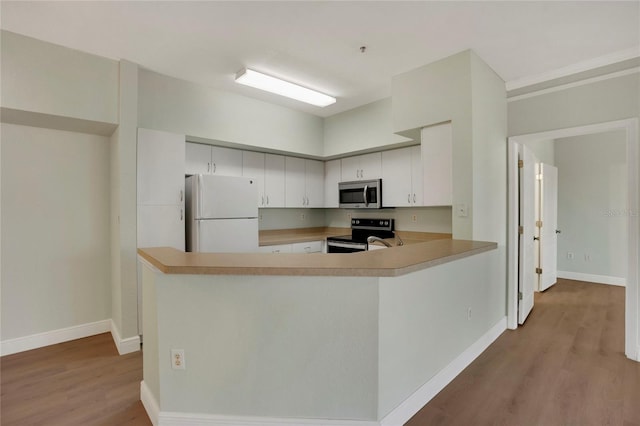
<point>388,262</point>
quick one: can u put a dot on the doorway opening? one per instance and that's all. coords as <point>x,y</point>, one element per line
<point>632,302</point>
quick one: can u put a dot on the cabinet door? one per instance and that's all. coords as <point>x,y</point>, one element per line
<point>226,161</point>
<point>198,159</point>
<point>437,163</point>
<point>350,167</point>
<point>294,182</point>
<point>307,247</point>
<point>396,178</point>
<point>253,167</point>
<point>332,176</point>
<point>274,180</point>
<point>161,226</point>
<point>279,248</point>
<point>314,183</point>
<point>370,166</point>
<point>416,176</point>
<point>161,166</point>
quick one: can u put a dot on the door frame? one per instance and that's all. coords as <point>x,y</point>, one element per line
<point>632,301</point>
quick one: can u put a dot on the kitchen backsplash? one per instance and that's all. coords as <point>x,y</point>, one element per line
<point>427,219</point>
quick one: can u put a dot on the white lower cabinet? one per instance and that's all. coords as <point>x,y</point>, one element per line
<point>278,248</point>
<point>307,247</point>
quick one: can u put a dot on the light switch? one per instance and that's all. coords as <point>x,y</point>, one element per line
<point>462,210</point>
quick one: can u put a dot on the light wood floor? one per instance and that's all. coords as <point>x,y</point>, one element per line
<point>82,382</point>
<point>565,366</point>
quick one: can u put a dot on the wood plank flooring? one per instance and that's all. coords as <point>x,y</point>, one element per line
<point>82,382</point>
<point>565,366</point>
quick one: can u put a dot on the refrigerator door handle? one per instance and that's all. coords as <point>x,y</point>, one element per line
<point>198,206</point>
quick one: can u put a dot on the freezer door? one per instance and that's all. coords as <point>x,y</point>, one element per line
<point>226,236</point>
<point>224,197</point>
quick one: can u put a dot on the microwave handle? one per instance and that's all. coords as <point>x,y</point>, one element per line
<point>366,189</point>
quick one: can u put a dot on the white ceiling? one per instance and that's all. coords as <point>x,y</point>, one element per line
<point>317,43</point>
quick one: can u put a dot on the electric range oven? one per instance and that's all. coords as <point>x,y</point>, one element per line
<point>361,229</point>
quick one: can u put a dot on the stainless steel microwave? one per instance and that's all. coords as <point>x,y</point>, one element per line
<point>360,194</point>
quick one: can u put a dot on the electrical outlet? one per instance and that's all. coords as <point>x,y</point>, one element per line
<point>587,258</point>
<point>414,218</point>
<point>349,217</point>
<point>260,217</point>
<point>302,216</point>
<point>570,255</point>
<point>462,210</point>
<point>178,361</point>
<point>468,313</point>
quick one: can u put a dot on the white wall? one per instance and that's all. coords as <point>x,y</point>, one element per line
<point>45,78</point>
<point>178,106</point>
<point>55,230</point>
<point>361,129</point>
<point>543,150</point>
<point>428,219</point>
<point>592,203</point>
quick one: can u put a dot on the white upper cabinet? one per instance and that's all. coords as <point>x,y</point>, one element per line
<point>160,171</point>
<point>253,167</point>
<point>268,171</point>
<point>359,167</point>
<point>304,182</point>
<point>314,183</point>
<point>274,180</point>
<point>295,195</point>
<point>198,159</point>
<point>437,163</point>
<point>402,177</point>
<point>207,159</point>
<point>332,176</point>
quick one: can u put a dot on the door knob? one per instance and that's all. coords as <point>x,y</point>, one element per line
<point>536,238</point>
<point>558,231</point>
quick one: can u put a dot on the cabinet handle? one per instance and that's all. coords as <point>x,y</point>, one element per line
<point>214,167</point>
<point>414,198</point>
<point>267,200</point>
<point>262,204</point>
<point>181,194</point>
<point>208,167</point>
<point>408,198</point>
<point>181,215</point>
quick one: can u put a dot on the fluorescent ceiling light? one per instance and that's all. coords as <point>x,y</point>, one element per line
<point>275,85</point>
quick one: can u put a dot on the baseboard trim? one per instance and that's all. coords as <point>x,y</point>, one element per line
<point>592,278</point>
<point>35,341</point>
<point>124,346</point>
<point>149,402</point>
<point>410,406</point>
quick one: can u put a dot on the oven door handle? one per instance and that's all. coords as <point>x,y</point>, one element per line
<point>366,189</point>
<point>355,246</point>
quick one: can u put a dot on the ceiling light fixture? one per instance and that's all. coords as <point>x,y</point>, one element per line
<point>275,85</point>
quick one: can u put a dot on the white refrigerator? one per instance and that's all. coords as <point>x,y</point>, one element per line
<point>222,214</point>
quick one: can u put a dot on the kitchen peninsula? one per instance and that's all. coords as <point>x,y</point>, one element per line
<point>358,339</point>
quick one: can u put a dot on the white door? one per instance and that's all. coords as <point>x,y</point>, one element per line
<point>549,218</point>
<point>526,265</point>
